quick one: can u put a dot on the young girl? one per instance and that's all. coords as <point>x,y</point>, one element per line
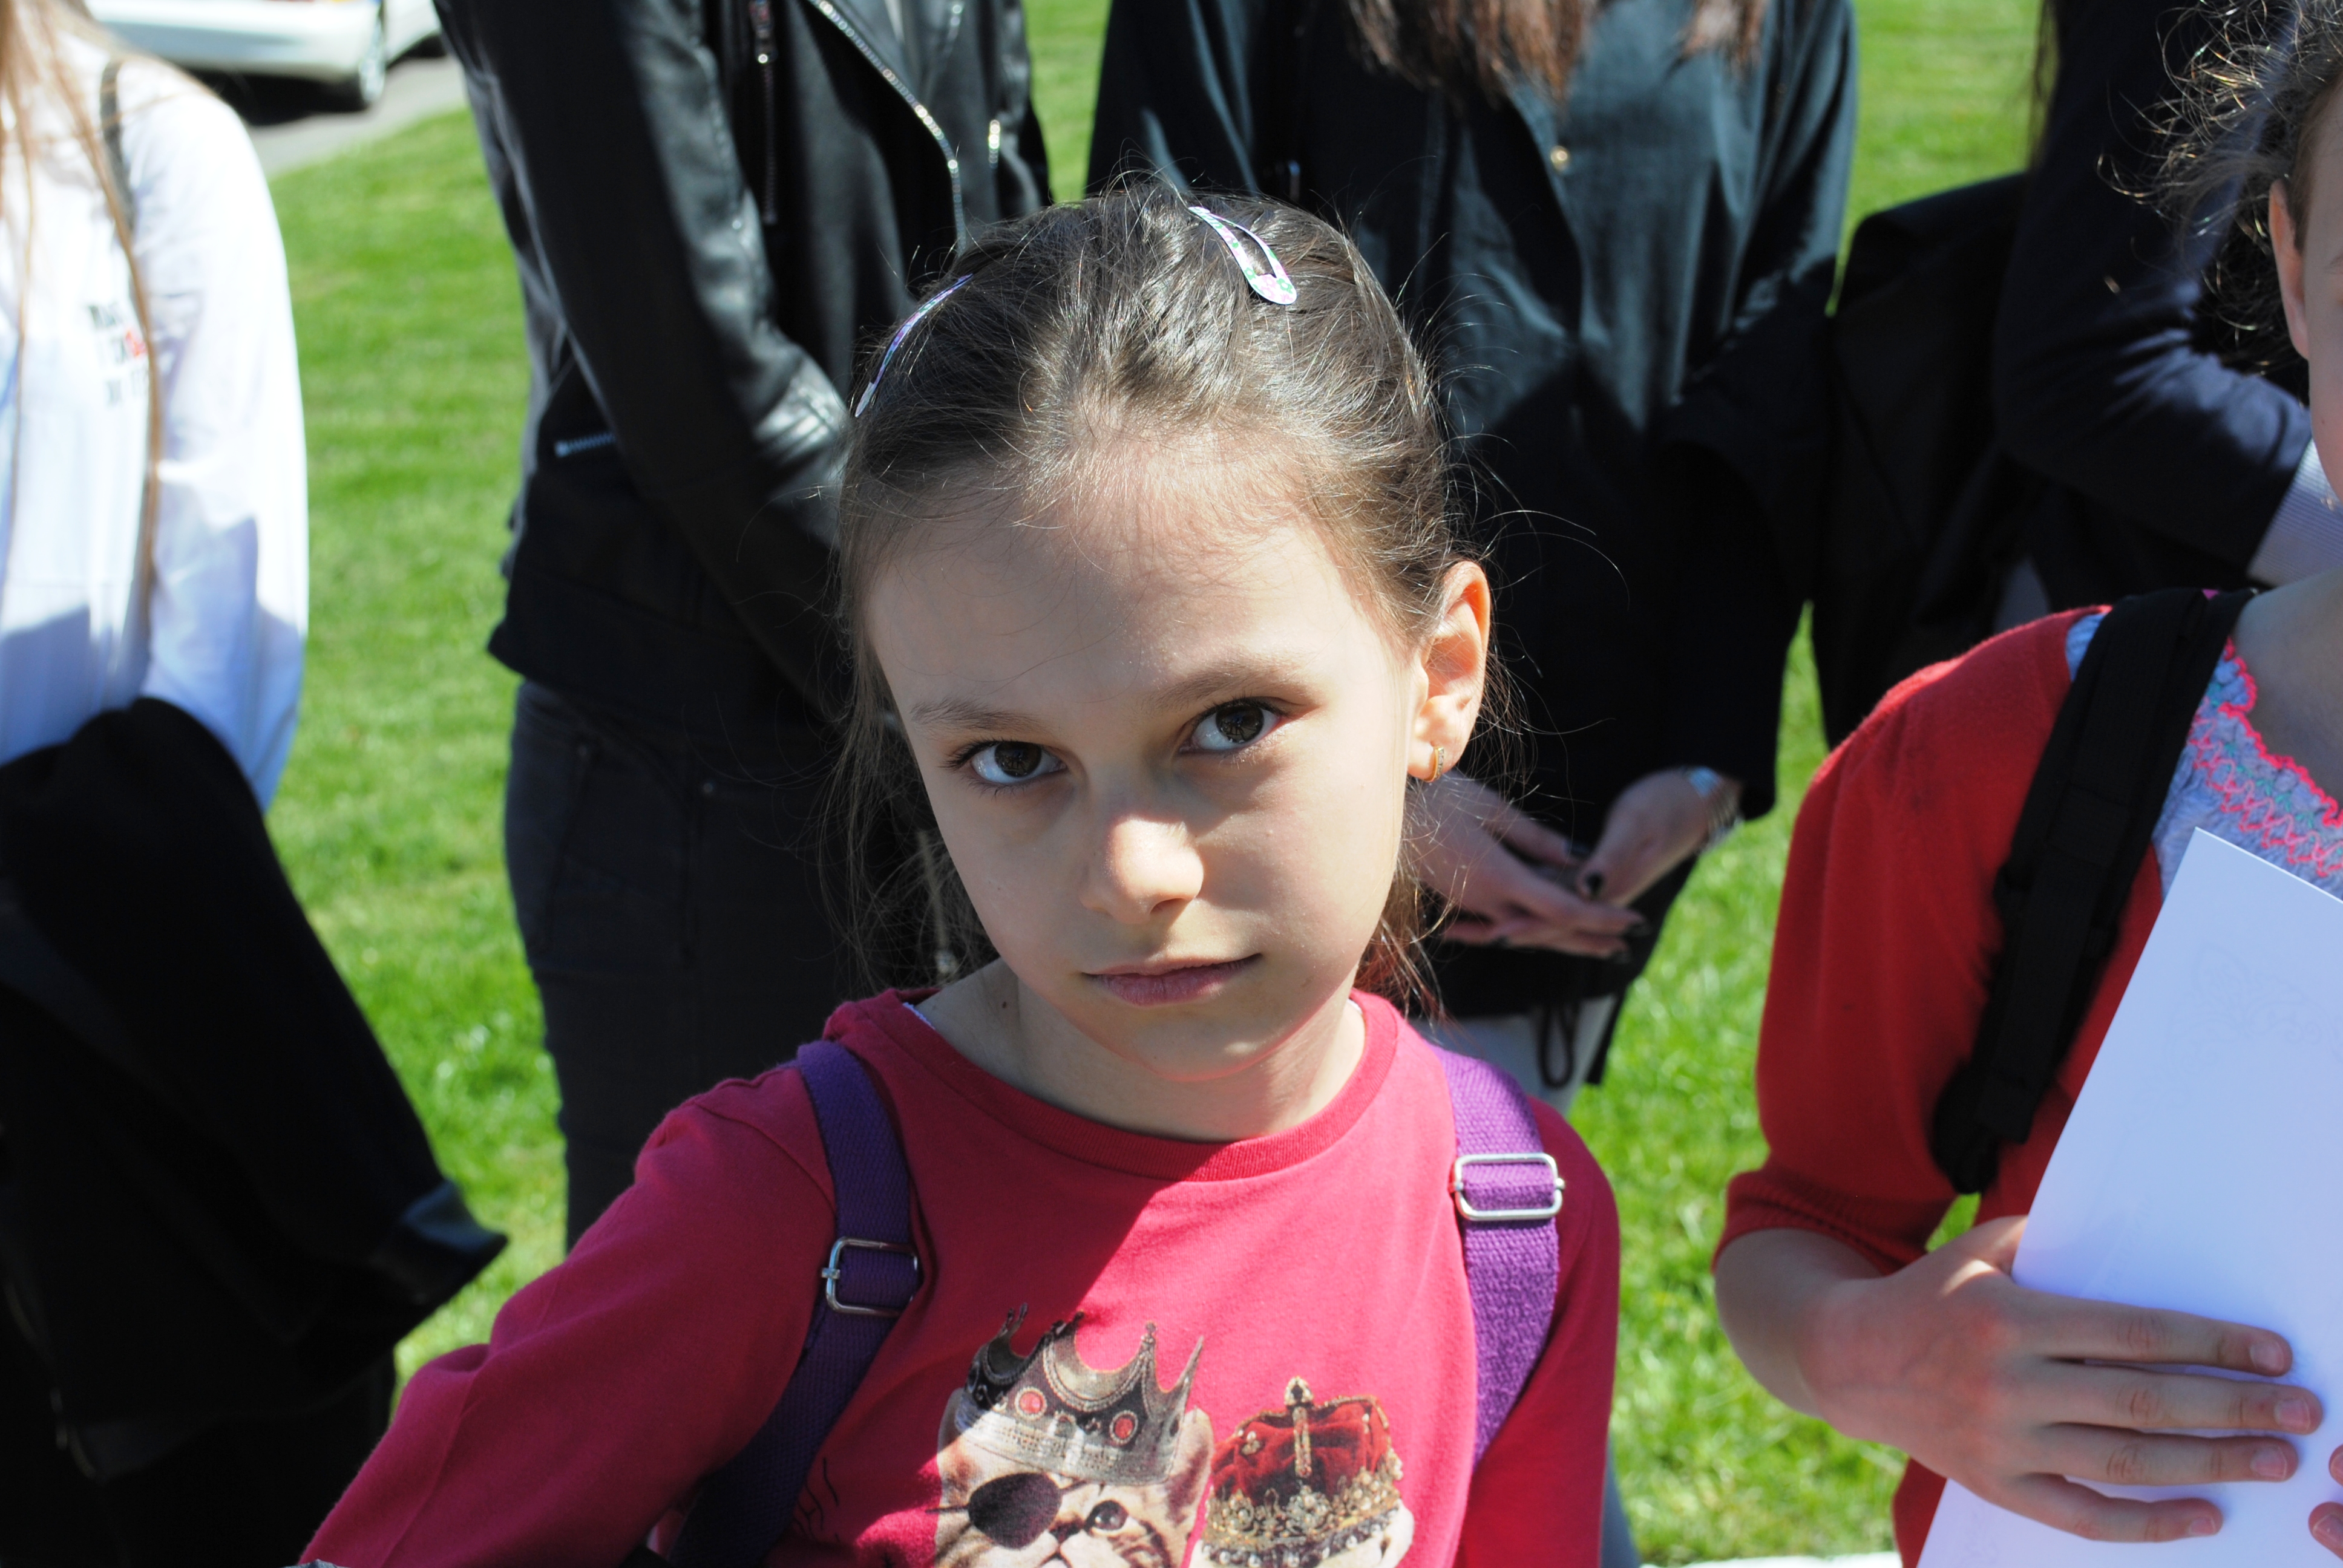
<point>1887,939</point>
<point>1156,613</point>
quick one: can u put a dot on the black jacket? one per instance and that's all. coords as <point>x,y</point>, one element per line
<point>1625,296</point>
<point>2169,465</point>
<point>216,1200</point>
<point>716,204</point>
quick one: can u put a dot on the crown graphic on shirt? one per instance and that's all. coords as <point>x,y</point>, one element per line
<point>1046,1410</point>
<point>1296,1486</point>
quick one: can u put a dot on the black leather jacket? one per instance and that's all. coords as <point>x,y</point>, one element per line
<point>716,205</point>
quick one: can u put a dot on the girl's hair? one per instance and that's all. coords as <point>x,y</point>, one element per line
<point>2248,117</point>
<point>1489,47</point>
<point>1124,312</point>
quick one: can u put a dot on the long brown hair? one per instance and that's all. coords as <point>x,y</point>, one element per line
<point>1490,47</point>
<point>1126,306</point>
<point>34,72</point>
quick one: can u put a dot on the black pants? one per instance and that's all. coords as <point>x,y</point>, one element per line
<point>245,1495</point>
<point>670,904</point>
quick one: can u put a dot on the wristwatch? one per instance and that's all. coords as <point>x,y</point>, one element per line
<point>1723,798</point>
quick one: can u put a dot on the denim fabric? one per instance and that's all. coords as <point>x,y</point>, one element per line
<point>671,907</point>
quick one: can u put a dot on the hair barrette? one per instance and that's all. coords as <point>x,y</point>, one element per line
<point>1273,285</point>
<point>910,325</point>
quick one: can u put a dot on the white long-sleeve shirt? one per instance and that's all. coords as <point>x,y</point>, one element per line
<point>221,633</point>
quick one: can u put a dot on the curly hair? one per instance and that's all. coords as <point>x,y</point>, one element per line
<point>2247,120</point>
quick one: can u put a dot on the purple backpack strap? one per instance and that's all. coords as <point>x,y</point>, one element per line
<point>745,1508</point>
<point>1507,1192</point>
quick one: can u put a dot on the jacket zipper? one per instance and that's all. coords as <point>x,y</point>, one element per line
<point>761,18</point>
<point>903,91</point>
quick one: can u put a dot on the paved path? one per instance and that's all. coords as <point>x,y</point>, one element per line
<point>1883,1560</point>
<point>290,127</point>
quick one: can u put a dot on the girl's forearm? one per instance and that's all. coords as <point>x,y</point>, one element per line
<point>1770,1290</point>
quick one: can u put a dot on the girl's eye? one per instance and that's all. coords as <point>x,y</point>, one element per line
<point>1237,724</point>
<point>1012,762</point>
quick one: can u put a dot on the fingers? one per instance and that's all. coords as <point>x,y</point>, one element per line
<point>1991,1242</point>
<point>1566,924</point>
<point>1526,836</point>
<point>1503,887</point>
<point>1620,870</point>
<point>2113,1458</point>
<point>2327,1525</point>
<point>2148,1336</point>
<point>1522,931</point>
<point>2142,1401</point>
<point>1532,934</point>
<point>1655,824</point>
<point>2078,1510</point>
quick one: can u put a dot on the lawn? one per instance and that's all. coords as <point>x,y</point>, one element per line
<point>412,356</point>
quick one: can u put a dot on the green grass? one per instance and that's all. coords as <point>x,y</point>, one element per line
<point>1711,1465</point>
<point>414,374</point>
<point>388,819</point>
<point>1066,36</point>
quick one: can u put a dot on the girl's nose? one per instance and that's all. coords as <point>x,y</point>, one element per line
<point>1142,867</point>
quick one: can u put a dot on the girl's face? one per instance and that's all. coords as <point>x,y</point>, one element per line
<point>1167,746</point>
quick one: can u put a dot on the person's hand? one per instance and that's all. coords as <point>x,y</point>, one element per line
<point>2327,1519</point>
<point>2009,1392</point>
<point>1507,877</point>
<point>1658,821</point>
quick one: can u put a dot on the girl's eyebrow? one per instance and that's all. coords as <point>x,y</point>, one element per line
<point>1251,676</point>
<point>967,713</point>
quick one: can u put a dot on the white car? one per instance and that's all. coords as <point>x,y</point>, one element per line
<point>347,45</point>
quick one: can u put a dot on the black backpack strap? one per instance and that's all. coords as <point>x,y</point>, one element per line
<point>109,122</point>
<point>745,1508</point>
<point>2096,797</point>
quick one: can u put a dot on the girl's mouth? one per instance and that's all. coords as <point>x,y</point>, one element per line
<point>1168,985</point>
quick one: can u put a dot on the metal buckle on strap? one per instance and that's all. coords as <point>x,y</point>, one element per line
<point>833,1273</point>
<point>1464,1205</point>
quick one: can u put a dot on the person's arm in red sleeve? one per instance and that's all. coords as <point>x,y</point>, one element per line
<point>617,1380</point>
<point>1537,1495</point>
<point>1881,965</point>
<point>1884,946</point>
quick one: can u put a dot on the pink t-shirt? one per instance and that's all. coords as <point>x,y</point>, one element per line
<point>1277,1331</point>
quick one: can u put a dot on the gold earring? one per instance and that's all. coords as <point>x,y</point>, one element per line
<point>1439,763</point>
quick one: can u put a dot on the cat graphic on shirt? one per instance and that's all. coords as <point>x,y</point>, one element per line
<point>1045,1460</point>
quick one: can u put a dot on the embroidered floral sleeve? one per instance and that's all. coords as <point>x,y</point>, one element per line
<point>2229,783</point>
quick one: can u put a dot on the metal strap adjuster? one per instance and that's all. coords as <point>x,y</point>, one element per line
<point>1464,1204</point>
<point>833,1273</point>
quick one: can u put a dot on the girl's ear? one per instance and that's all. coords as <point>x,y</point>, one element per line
<point>2286,245</point>
<point>1452,669</point>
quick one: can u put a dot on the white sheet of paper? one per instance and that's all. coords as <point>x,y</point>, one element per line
<point>2202,1171</point>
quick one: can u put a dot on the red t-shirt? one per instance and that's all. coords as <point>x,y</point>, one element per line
<point>1232,1294</point>
<point>1881,959</point>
